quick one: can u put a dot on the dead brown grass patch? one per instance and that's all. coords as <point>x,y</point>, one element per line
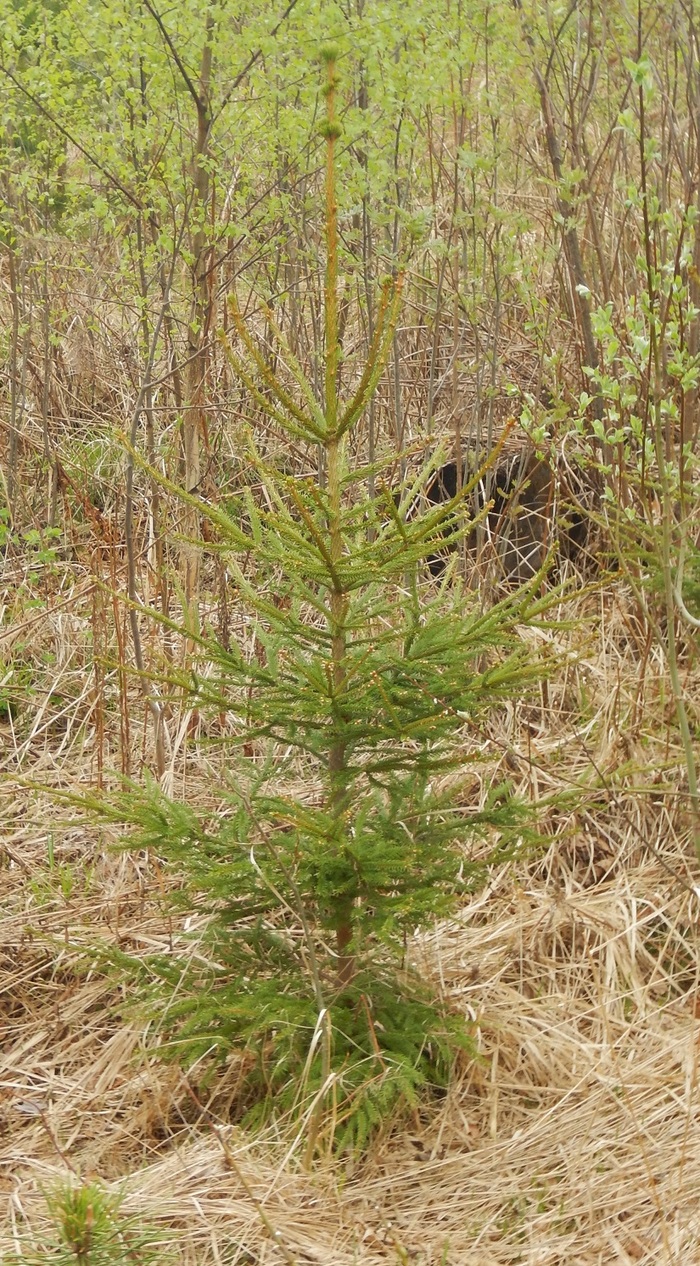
<point>573,1138</point>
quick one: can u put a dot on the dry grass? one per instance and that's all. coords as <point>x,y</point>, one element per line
<point>572,1139</point>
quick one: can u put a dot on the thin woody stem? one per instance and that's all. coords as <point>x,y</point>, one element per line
<point>337,756</point>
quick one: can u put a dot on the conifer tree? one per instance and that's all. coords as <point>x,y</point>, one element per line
<point>339,833</point>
